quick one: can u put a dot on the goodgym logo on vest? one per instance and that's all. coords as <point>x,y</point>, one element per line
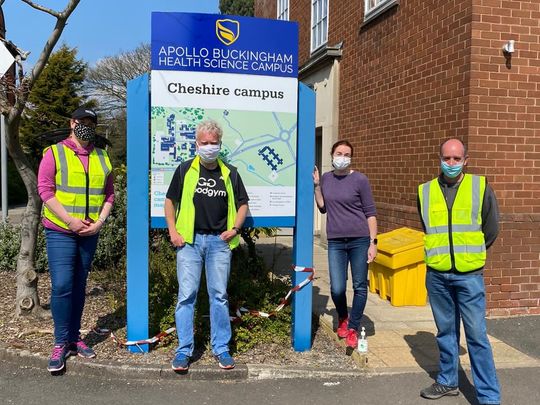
<point>227,30</point>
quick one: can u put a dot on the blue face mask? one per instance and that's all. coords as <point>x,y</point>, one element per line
<point>451,171</point>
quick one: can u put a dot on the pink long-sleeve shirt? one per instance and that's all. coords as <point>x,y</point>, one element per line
<point>47,173</point>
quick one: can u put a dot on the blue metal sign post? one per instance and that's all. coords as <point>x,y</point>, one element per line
<point>303,231</point>
<point>138,119</point>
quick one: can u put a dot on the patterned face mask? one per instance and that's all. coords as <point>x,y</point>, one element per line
<point>84,132</point>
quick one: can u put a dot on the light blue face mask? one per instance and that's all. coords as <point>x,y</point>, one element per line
<point>341,162</point>
<point>451,171</point>
<point>209,153</point>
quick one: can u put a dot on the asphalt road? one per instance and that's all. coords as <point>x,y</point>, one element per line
<point>521,332</point>
<point>23,385</point>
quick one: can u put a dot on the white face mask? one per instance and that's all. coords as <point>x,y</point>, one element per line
<point>209,153</point>
<point>341,162</point>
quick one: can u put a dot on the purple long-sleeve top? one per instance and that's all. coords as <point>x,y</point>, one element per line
<point>348,203</point>
<point>47,173</point>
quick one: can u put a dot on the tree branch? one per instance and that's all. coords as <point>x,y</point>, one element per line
<point>61,19</point>
<point>41,8</point>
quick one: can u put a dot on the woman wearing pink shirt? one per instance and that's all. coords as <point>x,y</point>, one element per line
<point>76,186</point>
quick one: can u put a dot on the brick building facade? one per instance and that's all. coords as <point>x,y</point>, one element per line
<point>405,75</point>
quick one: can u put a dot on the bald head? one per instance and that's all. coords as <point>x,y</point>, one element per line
<point>454,145</point>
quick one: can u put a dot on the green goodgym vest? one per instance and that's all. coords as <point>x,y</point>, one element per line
<point>458,230</point>
<point>185,220</point>
<point>82,194</point>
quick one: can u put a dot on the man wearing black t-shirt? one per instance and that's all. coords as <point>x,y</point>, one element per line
<point>205,208</point>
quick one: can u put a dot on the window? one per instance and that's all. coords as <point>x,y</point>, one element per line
<point>375,7</point>
<point>283,10</point>
<point>319,23</point>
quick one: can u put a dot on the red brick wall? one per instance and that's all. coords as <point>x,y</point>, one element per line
<point>265,8</point>
<point>427,70</point>
<point>404,88</point>
<point>300,10</point>
<point>505,143</point>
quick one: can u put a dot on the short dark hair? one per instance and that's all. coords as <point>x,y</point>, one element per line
<point>465,149</point>
<point>339,143</point>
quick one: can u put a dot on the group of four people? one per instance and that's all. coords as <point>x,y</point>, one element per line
<point>205,208</point>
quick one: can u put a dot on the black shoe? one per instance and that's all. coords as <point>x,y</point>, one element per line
<point>436,391</point>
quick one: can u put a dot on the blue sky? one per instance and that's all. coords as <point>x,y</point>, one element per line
<point>97,28</point>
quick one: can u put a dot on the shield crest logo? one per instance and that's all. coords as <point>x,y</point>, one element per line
<point>227,31</point>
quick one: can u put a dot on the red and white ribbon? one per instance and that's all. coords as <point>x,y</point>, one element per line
<point>138,343</point>
<point>282,303</point>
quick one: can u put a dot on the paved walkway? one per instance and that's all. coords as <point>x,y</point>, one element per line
<point>399,338</point>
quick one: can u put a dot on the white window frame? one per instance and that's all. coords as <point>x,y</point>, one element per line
<point>372,8</point>
<point>319,23</point>
<point>283,10</point>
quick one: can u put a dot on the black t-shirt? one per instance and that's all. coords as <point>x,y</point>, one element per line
<point>210,199</point>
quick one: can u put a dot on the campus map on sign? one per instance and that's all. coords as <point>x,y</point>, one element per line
<point>262,147</point>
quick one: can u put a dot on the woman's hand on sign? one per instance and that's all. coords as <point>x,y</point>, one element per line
<point>316,176</point>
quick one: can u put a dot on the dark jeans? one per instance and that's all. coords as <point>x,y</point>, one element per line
<point>341,252</point>
<point>70,257</point>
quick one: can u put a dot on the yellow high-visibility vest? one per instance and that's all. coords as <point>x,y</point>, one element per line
<point>82,194</point>
<point>458,230</point>
<point>185,220</point>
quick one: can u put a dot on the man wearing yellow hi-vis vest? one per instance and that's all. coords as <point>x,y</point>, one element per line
<point>459,214</point>
<point>205,208</point>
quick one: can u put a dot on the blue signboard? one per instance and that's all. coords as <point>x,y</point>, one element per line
<point>225,44</point>
<point>240,72</point>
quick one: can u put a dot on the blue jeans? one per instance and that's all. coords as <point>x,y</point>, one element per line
<point>215,254</point>
<point>341,252</point>
<point>70,257</point>
<point>453,295</point>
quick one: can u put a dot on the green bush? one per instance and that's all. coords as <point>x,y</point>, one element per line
<point>251,286</point>
<point>41,263</point>
<point>111,250</point>
<point>163,283</point>
<point>10,242</point>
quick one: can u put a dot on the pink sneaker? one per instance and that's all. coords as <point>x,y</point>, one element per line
<point>352,338</point>
<point>342,330</point>
<point>79,348</point>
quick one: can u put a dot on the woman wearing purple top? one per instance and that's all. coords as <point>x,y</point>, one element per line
<point>351,227</point>
<point>76,186</point>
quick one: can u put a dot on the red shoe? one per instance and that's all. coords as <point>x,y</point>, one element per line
<point>352,338</point>
<point>342,330</point>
